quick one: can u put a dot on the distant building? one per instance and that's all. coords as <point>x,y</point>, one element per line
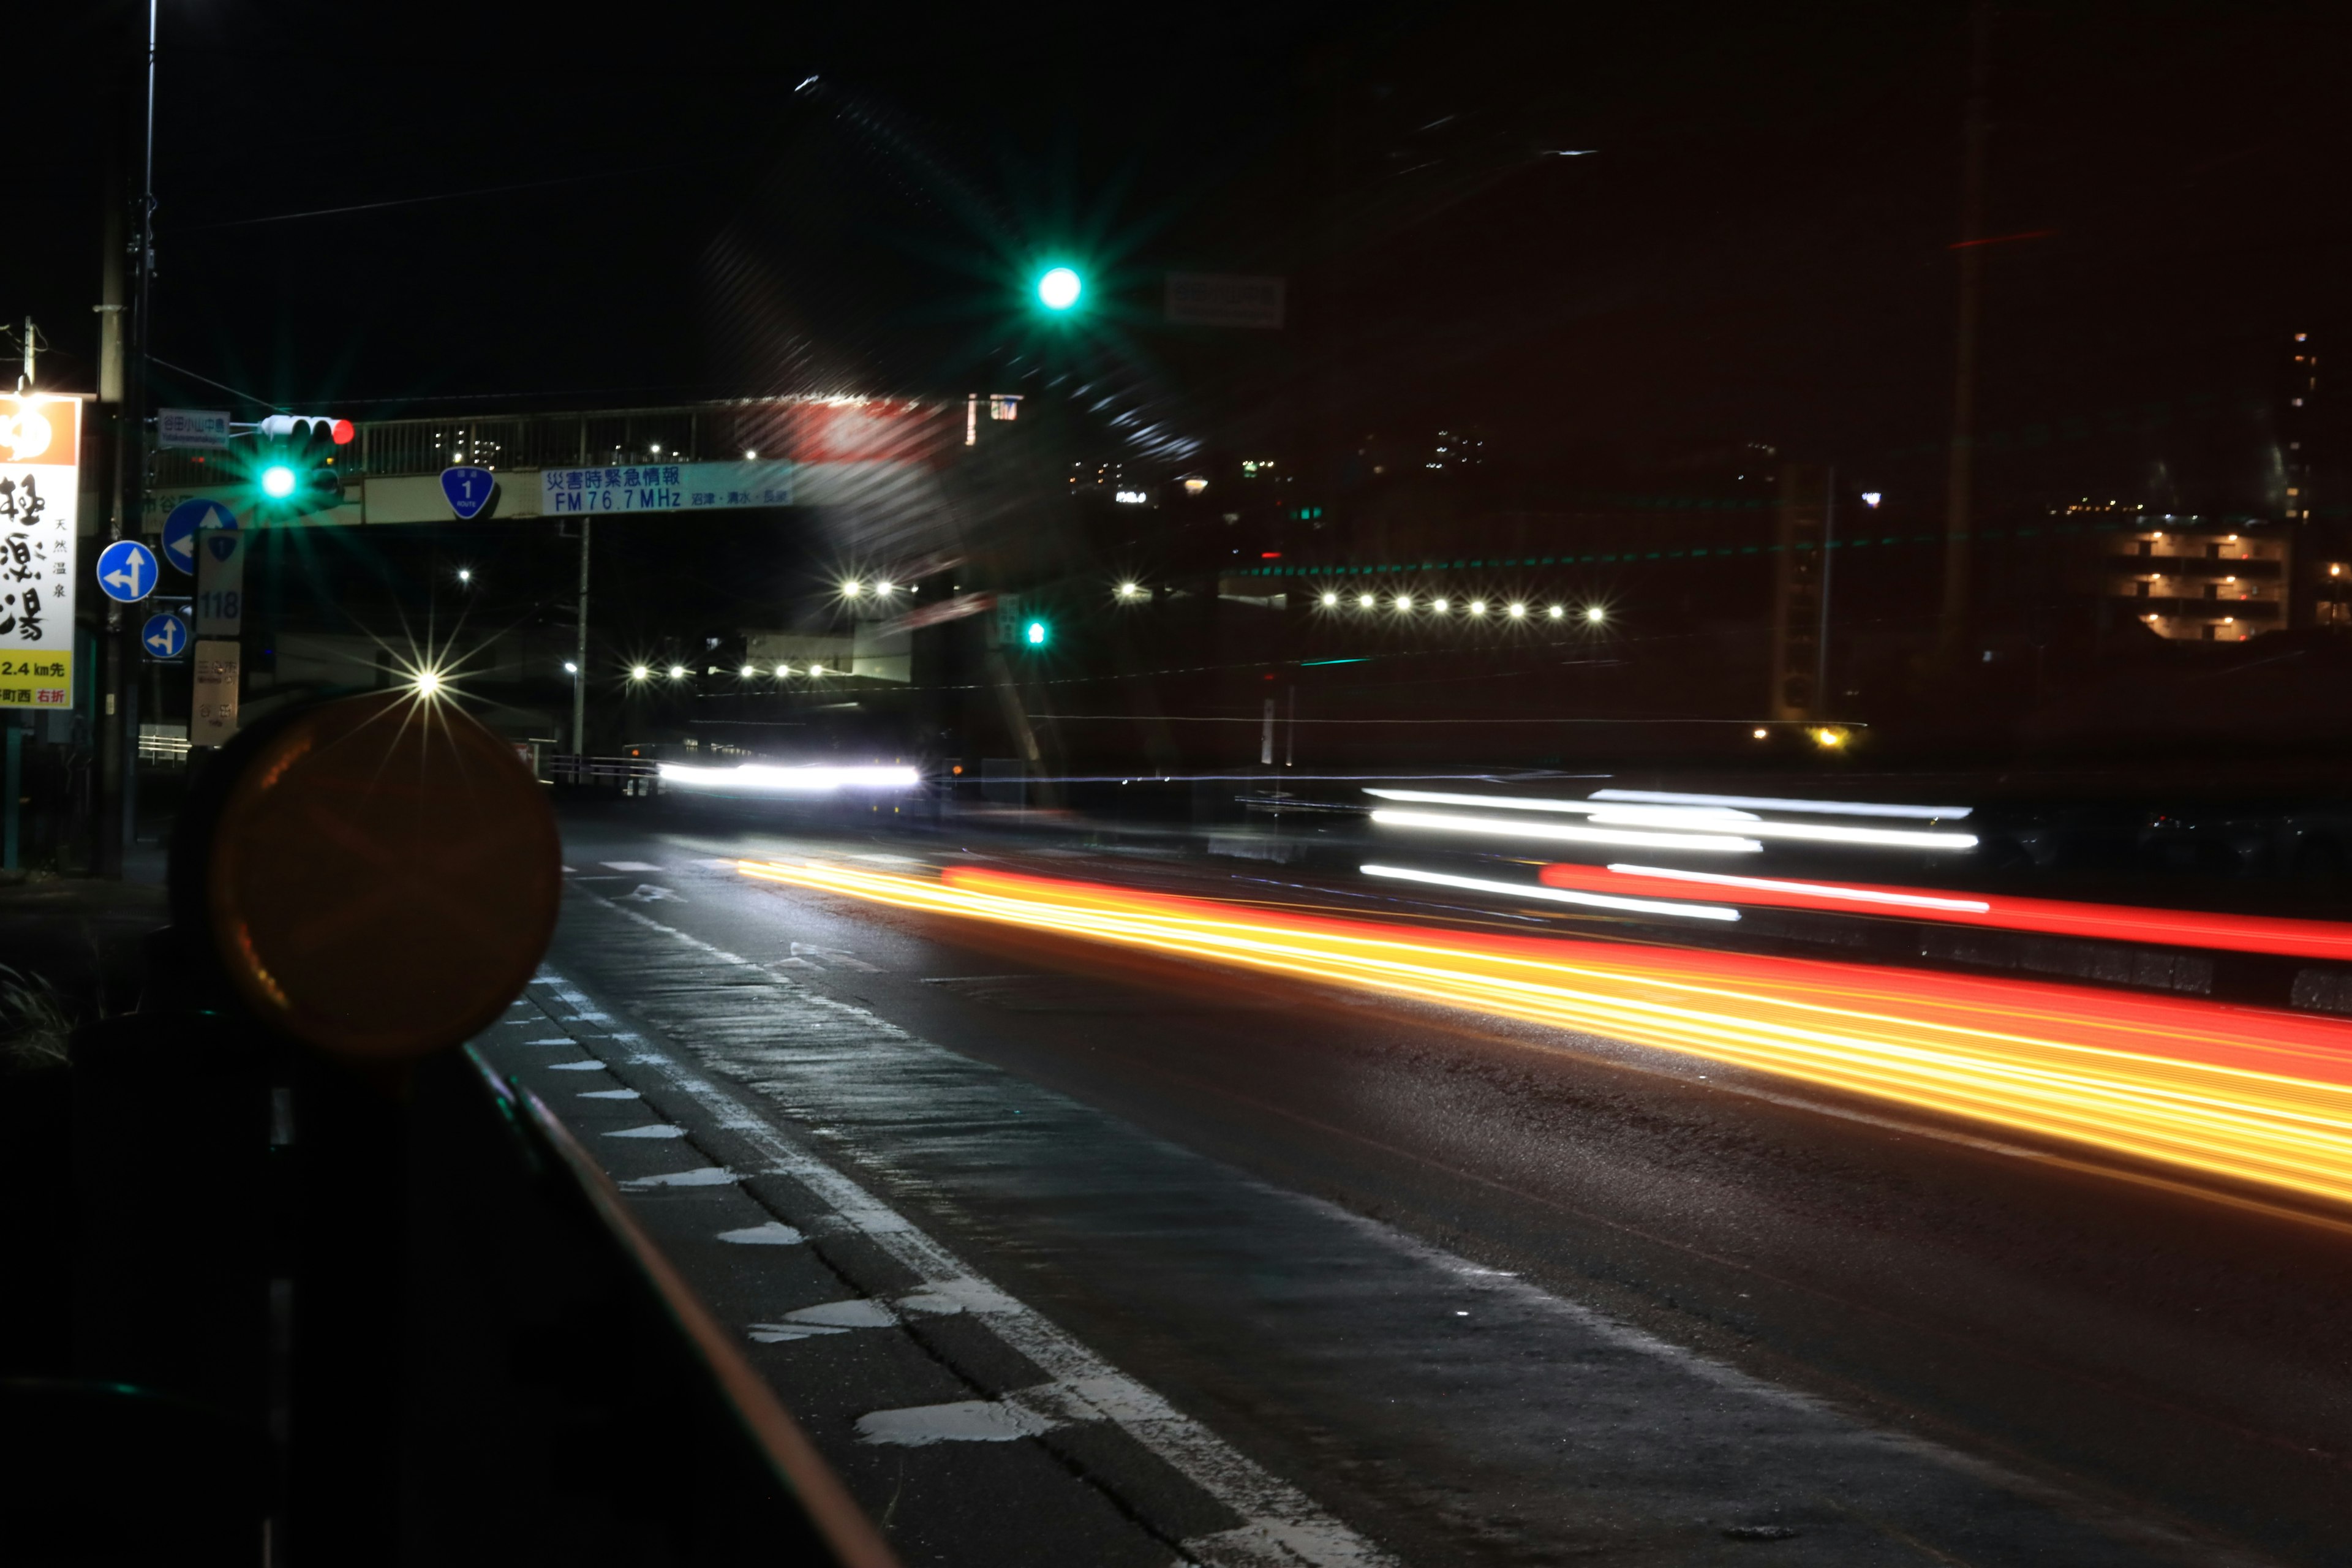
<point>2194,581</point>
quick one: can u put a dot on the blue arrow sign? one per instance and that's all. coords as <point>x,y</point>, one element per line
<point>180,530</point>
<point>126,571</point>
<point>468,490</point>
<point>165,636</point>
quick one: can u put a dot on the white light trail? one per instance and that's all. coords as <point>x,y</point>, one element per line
<point>1818,890</point>
<point>1556,895</point>
<point>813,779</point>
<point>1561,832</point>
<point>1768,802</point>
<point>1704,818</point>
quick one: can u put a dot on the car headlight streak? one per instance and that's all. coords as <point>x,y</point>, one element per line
<point>812,779</point>
<point>2234,1093</point>
<point>1565,832</point>
<point>1696,818</point>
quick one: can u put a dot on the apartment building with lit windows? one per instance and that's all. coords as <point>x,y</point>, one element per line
<point>2197,581</point>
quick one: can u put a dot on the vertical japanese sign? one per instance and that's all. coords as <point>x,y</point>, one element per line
<point>212,712</point>
<point>40,480</point>
<point>220,581</point>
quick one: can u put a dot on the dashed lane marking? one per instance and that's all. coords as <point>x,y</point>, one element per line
<point>1280,1523</point>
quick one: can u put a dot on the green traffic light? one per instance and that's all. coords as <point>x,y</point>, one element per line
<point>1036,634</point>
<point>1059,289</point>
<point>277,481</point>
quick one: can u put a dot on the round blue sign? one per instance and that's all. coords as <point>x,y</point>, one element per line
<point>180,530</point>
<point>165,636</point>
<point>126,571</point>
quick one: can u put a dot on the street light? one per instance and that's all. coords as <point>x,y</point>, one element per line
<point>465,574</point>
<point>1557,613</point>
<point>1364,601</point>
<point>639,672</point>
<point>749,671</point>
<point>1595,615</point>
<point>1517,611</point>
<point>1330,601</point>
<point>678,672</point>
<point>1059,289</point>
<point>570,667</point>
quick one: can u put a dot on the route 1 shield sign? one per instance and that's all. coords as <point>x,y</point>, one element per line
<point>468,490</point>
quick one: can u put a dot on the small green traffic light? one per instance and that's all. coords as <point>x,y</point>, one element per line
<point>1036,634</point>
<point>1059,289</point>
<point>277,481</point>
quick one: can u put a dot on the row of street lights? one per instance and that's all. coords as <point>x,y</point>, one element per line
<point>1516,609</point>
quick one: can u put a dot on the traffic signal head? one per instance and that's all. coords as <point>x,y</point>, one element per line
<point>1059,288</point>
<point>291,464</point>
<point>1034,634</point>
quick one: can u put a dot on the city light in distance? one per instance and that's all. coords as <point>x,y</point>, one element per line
<point>1059,289</point>
<point>1595,615</point>
<point>465,574</point>
<point>1871,499</point>
<point>1569,833</point>
<point>1518,611</point>
<point>570,667</point>
<point>1762,735</point>
<point>749,456</point>
<point>1329,600</point>
<point>639,672</point>
<point>1364,601</point>
<point>1478,606</point>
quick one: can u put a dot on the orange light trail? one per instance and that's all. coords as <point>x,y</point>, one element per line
<point>2111,922</point>
<point>2240,1093</point>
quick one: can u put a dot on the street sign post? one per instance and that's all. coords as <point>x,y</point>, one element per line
<point>165,636</point>
<point>212,715</point>
<point>468,490</point>
<point>192,429</point>
<point>126,571</point>
<point>220,582</point>
<point>180,530</point>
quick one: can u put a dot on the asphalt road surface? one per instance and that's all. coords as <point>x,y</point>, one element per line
<point>1063,1255</point>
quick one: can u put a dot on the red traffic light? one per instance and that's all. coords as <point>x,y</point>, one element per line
<point>312,426</point>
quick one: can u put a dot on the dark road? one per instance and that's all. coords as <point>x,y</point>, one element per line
<point>1066,1255</point>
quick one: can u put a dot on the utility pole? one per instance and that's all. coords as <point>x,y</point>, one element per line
<point>1829,559</point>
<point>579,657</point>
<point>32,336</point>
<point>1960,484</point>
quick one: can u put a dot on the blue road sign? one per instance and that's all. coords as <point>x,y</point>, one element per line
<point>165,636</point>
<point>180,530</point>
<point>126,571</point>
<point>468,490</point>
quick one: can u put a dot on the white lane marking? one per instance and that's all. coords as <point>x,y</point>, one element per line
<point>826,1318</point>
<point>550,1040</point>
<point>1082,1385</point>
<point>648,893</point>
<point>651,1130</point>
<point>576,1067</point>
<point>775,1233</point>
<point>967,1421</point>
<point>703,1176</point>
<point>827,954</point>
<point>628,865</point>
<point>610,1094</point>
<point>569,870</point>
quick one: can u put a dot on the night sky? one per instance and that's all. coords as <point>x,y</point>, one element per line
<point>1752,246</point>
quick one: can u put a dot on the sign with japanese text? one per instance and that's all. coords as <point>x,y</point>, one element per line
<point>192,429</point>
<point>212,715</point>
<point>40,450</point>
<point>670,487</point>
